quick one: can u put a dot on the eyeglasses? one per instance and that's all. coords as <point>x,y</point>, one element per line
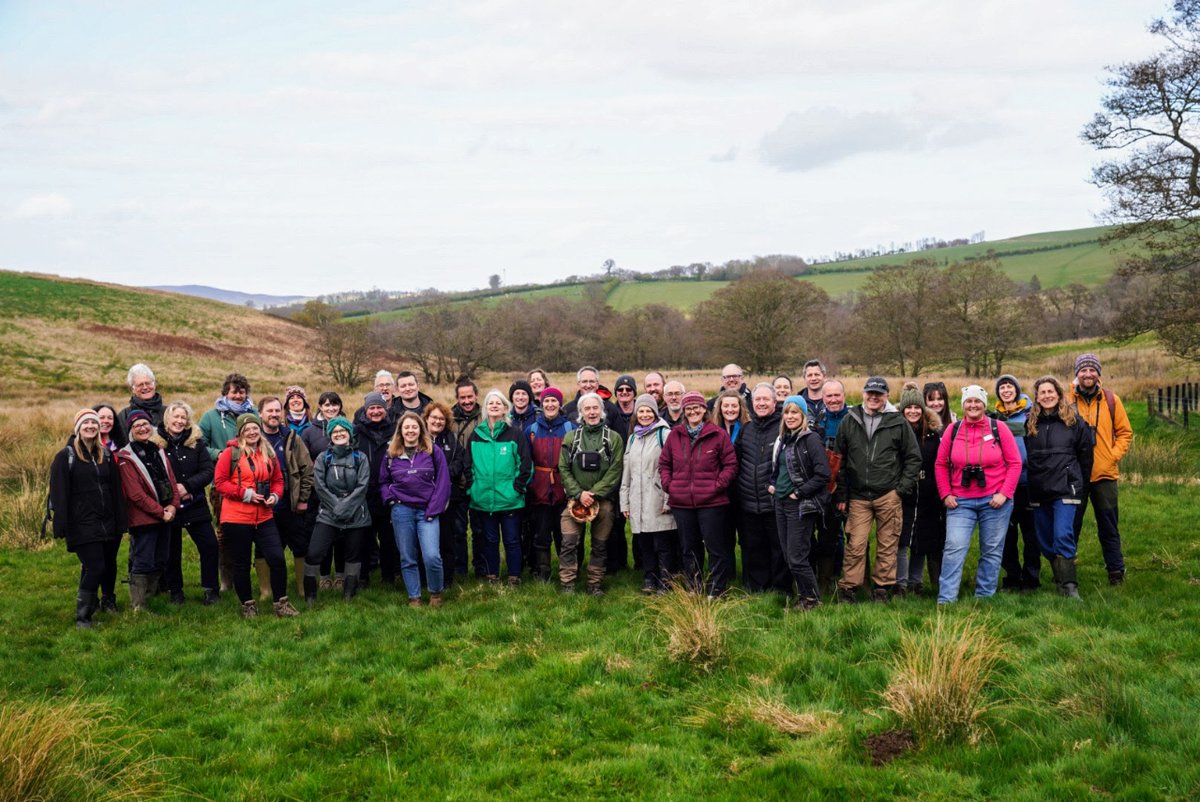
<point>732,376</point>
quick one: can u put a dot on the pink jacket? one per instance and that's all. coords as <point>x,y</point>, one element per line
<point>975,445</point>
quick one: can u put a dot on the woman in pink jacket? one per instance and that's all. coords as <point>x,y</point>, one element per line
<point>977,468</point>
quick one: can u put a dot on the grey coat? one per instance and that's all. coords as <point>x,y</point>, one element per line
<point>642,496</point>
<point>341,485</point>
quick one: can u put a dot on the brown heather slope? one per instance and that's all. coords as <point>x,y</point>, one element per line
<point>67,338</point>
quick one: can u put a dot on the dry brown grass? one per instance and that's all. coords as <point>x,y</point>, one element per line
<point>69,750</point>
<point>776,714</point>
<point>940,676</point>
<point>696,627</point>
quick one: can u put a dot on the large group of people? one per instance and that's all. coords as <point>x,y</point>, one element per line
<point>425,492</point>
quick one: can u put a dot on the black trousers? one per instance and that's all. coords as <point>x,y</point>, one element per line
<point>294,530</point>
<point>547,526</point>
<point>148,548</point>
<point>98,566</point>
<point>701,530</point>
<point>764,567</point>
<point>794,533</point>
<point>202,534</point>
<point>1018,572</point>
<point>324,537</point>
<point>1103,496</point>
<point>380,544</point>
<point>659,556</point>
<point>264,537</point>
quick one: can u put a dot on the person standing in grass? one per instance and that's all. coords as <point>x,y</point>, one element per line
<point>764,566</point>
<point>193,468</point>
<point>414,481</point>
<point>152,500</point>
<point>923,531</point>
<point>978,467</point>
<point>89,513</point>
<point>315,437</point>
<point>800,487</point>
<point>341,476</point>
<point>373,431</point>
<point>218,426</point>
<point>250,481</point>
<point>498,467</point>
<point>143,397</point>
<point>696,468</point>
<point>546,499</point>
<point>1059,446</point>
<point>590,461</point>
<point>1022,559</point>
<point>452,526</point>
<point>643,502</point>
<point>292,506</point>
<point>1102,410</point>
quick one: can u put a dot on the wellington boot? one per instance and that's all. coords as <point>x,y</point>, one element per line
<point>85,605</point>
<point>225,569</point>
<point>138,587</point>
<point>1056,570</point>
<point>264,579</point>
<point>1070,584</point>
<point>542,558</point>
<point>310,590</point>
<point>154,585</point>
<point>298,567</point>
<point>350,581</point>
<point>108,604</point>
<point>825,576</point>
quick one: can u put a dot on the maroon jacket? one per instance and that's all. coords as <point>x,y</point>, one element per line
<point>141,500</point>
<point>697,475</point>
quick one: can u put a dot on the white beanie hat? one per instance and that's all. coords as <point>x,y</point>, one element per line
<point>974,391</point>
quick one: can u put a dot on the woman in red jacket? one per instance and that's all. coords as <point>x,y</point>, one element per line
<point>152,499</point>
<point>697,466</point>
<point>250,481</point>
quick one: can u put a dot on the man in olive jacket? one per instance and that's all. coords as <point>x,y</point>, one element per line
<point>881,462</point>
<point>590,463</point>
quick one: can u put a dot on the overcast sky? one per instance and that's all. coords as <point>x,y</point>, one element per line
<point>308,147</point>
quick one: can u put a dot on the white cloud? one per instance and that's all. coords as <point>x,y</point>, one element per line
<point>50,204</point>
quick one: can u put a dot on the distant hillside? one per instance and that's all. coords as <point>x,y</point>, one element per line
<point>69,336</point>
<point>1057,258</point>
<point>231,296</point>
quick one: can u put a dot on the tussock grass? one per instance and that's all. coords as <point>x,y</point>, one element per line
<point>70,750</point>
<point>21,514</point>
<point>940,676</point>
<point>697,628</point>
<point>769,709</point>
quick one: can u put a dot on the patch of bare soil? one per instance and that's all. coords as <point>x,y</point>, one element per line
<point>885,747</point>
<point>156,340</point>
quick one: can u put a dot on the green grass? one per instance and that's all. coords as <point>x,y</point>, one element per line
<point>530,695</point>
<point>681,294</point>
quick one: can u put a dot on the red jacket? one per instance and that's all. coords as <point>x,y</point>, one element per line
<point>142,501</point>
<point>232,482</point>
<point>699,474</point>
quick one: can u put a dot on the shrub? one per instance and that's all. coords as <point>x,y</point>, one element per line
<point>696,627</point>
<point>940,676</point>
<point>66,749</point>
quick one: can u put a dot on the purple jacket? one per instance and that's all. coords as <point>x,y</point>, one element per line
<point>422,482</point>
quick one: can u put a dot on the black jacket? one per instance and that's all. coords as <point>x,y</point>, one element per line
<point>753,447</point>
<point>1058,459</point>
<point>925,492</point>
<point>807,467</point>
<point>372,440</point>
<point>89,506</point>
<point>456,460</point>
<point>193,468</point>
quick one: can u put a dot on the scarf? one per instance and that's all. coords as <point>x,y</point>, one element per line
<point>152,406</point>
<point>1018,406</point>
<point>147,453</point>
<point>694,433</point>
<point>298,426</point>
<point>642,431</point>
<point>223,405</point>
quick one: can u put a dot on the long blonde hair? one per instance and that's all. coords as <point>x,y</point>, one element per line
<point>784,431</point>
<point>424,441</point>
<point>1066,410</point>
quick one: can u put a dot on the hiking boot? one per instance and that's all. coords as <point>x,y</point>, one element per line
<point>493,579</point>
<point>250,609</point>
<point>648,587</point>
<point>807,603</point>
<point>1116,578</point>
<point>284,609</point>
<point>915,588</point>
<point>847,596</point>
<point>108,604</point>
<point>595,590</point>
<point>177,598</point>
<point>435,600</point>
<point>85,606</point>
<point>414,601</point>
<point>514,581</point>
<point>881,595</point>
<point>566,587</point>
<point>211,596</point>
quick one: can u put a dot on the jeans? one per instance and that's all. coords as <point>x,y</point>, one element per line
<point>1054,522</point>
<point>1103,496</point>
<point>960,524</point>
<point>410,526</point>
<point>506,524</point>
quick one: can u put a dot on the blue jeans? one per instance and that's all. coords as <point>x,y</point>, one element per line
<point>496,524</point>
<point>409,526</point>
<point>1054,522</point>
<point>960,523</point>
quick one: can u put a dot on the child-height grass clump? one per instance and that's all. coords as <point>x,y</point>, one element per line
<point>940,676</point>
<point>697,627</point>
<point>65,749</point>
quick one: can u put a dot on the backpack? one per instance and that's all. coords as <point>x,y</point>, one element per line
<point>662,438</point>
<point>49,515</point>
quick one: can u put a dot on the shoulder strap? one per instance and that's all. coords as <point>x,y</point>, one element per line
<point>1112,412</point>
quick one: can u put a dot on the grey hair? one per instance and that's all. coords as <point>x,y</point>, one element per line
<point>140,369</point>
<point>579,373</point>
<point>763,386</point>
<point>501,396</point>
<point>381,374</point>
<point>585,397</point>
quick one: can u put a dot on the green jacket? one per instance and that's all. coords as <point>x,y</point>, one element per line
<point>891,460</point>
<point>498,467</point>
<point>604,483</point>
<point>218,429</point>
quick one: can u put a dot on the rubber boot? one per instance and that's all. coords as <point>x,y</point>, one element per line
<point>1056,569</point>
<point>350,583</point>
<point>264,579</point>
<point>225,569</point>
<point>153,584</point>
<point>1070,585</point>
<point>542,556</point>
<point>138,587</point>
<point>825,576</point>
<point>311,579</point>
<point>299,567</point>
<point>85,605</point>
<point>108,604</point>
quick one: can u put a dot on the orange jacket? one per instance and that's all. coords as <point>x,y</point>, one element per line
<point>1113,432</point>
<point>232,482</point>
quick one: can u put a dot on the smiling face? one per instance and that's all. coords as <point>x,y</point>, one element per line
<point>340,436</point>
<point>764,402</point>
<point>537,382</point>
<point>376,413</point>
<point>913,413</point>
<point>520,400</point>
<point>591,411</point>
<point>436,421</point>
<point>834,396</point>
<point>272,415</point>
<point>814,377</point>
<point>731,409</point>
<point>141,430</point>
<point>588,382</point>
<point>973,408</point>
<point>175,421</point>
<point>1088,377</point>
<point>494,409</point>
<point>410,432</point>
<point>467,399</point>
<point>793,418</point>
<point>407,388</point>
<point>296,406</point>
<point>251,434</point>
<point>645,416</point>
<point>144,387</point>
<point>1047,396</point>
<point>1007,393</point>
<point>694,414</point>
<point>89,430</point>
<point>673,394</point>
<point>330,410</point>
<point>731,377</point>
<point>654,385</point>
<point>783,388</point>
<point>236,395</point>
<point>551,407</point>
<point>874,402</point>
<point>106,419</point>
<point>935,401</point>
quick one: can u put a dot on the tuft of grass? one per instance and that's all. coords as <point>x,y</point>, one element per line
<point>776,714</point>
<point>696,627</point>
<point>67,749</point>
<point>940,676</point>
<point>21,515</point>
